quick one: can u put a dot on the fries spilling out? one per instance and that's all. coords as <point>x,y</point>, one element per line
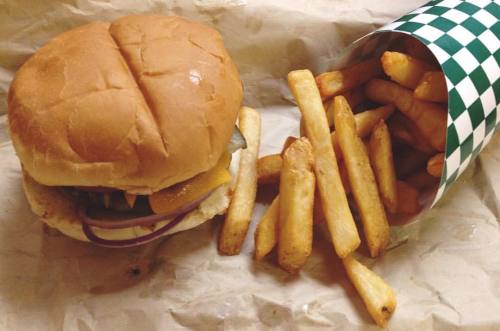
<point>352,168</point>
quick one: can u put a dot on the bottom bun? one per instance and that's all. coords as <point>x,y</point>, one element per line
<point>59,210</point>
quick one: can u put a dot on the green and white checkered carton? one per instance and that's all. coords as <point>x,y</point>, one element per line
<point>464,36</point>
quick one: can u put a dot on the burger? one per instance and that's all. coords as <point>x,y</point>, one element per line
<point>125,130</point>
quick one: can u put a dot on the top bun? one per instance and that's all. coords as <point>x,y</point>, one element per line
<point>139,104</point>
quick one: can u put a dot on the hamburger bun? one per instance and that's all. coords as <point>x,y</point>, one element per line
<point>59,210</point>
<point>138,104</point>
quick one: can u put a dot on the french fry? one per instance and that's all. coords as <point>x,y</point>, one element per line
<point>326,103</point>
<point>416,49</point>
<point>337,82</point>
<point>366,146</point>
<point>404,69</point>
<point>378,296</point>
<point>344,177</point>
<point>266,234</point>
<point>365,122</point>
<point>354,97</point>
<point>289,140</point>
<point>361,178</point>
<point>407,199</point>
<point>432,87</point>
<point>400,132</point>
<point>240,209</point>
<point>383,165</point>
<point>269,166</point>
<point>319,215</point>
<point>403,129</point>
<point>329,115</point>
<point>408,161</point>
<point>421,180</point>
<point>302,128</point>
<point>269,169</point>
<point>297,185</point>
<point>430,118</point>
<point>435,165</point>
<point>339,219</point>
<point>368,119</point>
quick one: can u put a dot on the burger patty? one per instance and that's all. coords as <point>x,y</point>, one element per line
<point>112,200</point>
<point>176,197</point>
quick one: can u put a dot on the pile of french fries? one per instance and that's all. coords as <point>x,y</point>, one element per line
<point>372,142</point>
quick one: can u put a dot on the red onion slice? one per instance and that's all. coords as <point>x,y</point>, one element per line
<point>139,221</point>
<point>128,223</point>
<point>129,242</point>
<point>88,222</point>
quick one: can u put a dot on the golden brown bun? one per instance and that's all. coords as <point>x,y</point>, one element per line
<point>138,104</point>
<point>59,210</point>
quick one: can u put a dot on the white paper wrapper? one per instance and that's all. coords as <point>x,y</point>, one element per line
<point>446,270</point>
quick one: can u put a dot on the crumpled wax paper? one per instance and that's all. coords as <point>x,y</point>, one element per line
<point>445,269</point>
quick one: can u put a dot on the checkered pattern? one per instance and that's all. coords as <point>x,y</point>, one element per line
<point>464,37</point>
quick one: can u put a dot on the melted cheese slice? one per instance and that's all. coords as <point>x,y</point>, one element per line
<point>179,195</point>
